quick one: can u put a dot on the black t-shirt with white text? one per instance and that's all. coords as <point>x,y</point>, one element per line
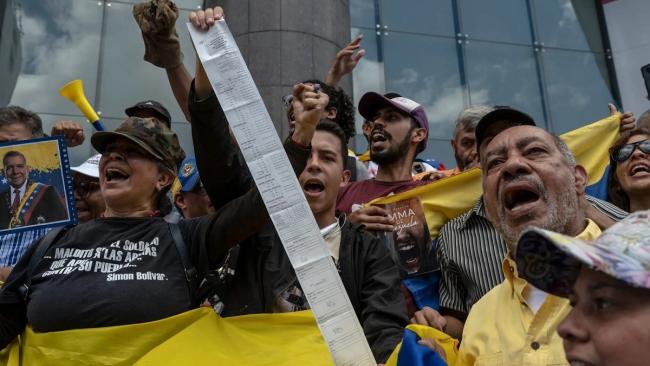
<point>107,272</point>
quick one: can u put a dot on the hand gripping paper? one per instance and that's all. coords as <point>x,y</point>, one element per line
<point>281,192</point>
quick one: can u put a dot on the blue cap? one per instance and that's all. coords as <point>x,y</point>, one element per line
<point>188,175</point>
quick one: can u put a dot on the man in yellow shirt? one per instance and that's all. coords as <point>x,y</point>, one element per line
<point>530,178</point>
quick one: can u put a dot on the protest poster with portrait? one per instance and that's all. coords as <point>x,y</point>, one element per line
<point>410,243</point>
<point>36,187</point>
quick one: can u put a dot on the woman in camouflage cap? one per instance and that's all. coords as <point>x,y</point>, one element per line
<point>129,266</point>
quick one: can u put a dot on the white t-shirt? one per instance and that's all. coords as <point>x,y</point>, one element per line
<point>332,236</point>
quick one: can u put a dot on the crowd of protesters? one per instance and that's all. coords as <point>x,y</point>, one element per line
<point>525,276</point>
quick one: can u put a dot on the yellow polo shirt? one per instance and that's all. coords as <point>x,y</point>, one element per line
<point>501,328</point>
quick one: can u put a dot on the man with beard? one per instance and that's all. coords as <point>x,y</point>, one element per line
<point>400,129</point>
<point>399,132</point>
<point>464,140</point>
<point>469,249</point>
<point>530,178</point>
<point>366,129</point>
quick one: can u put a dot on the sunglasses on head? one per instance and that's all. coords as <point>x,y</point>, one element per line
<point>624,152</point>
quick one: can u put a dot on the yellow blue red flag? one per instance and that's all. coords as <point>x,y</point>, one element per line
<point>197,337</point>
<point>410,353</point>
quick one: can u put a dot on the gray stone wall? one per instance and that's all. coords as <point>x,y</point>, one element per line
<point>287,41</point>
<point>10,50</point>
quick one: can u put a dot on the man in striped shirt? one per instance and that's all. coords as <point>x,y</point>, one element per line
<point>470,251</point>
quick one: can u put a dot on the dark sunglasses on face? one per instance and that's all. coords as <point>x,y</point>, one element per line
<point>624,152</point>
<point>84,188</point>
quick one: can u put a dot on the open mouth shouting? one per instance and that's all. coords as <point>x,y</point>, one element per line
<point>114,175</point>
<point>408,255</point>
<point>313,187</point>
<point>408,250</point>
<point>379,137</point>
<point>520,198</point>
<point>639,169</point>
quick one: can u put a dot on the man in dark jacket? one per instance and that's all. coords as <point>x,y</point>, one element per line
<point>369,275</point>
<point>264,280</point>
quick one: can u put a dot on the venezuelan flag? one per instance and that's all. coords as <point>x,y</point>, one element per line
<point>410,353</point>
<point>196,337</point>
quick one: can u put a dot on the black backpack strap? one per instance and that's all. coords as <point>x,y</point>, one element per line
<point>43,245</point>
<point>218,281</point>
<point>191,274</point>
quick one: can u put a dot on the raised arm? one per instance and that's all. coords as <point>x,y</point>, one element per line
<point>222,169</point>
<point>345,61</point>
<point>157,22</point>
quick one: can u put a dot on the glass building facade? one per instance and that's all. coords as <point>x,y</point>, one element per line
<point>549,58</point>
<point>99,43</point>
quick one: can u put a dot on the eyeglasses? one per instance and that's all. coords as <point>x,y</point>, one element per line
<point>84,188</point>
<point>624,152</point>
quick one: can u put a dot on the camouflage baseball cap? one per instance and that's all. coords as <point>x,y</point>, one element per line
<point>152,136</point>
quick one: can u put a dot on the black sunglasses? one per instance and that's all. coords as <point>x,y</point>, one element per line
<point>624,152</point>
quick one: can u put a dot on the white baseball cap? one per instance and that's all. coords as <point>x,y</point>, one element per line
<point>90,167</point>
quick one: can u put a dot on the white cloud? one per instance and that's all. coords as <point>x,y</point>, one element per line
<point>568,14</point>
<point>66,51</point>
<point>572,95</point>
<point>408,76</point>
<point>440,95</point>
